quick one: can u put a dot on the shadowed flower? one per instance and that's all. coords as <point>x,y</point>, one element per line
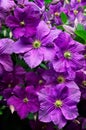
<point>24,101</point>
<point>5,58</point>
<point>10,79</point>
<point>81,82</point>
<point>24,20</point>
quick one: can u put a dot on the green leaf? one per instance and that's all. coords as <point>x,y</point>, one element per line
<point>1,97</point>
<point>79,39</point>
<point>80,27</point>
<point>84,7</point>
<point>55,127</point>
<point>81,34</point>
<point>60,27</point>
<point>64,17</point>
<point>42,65</point>
<point>3,107</point>
<point>1,113</point>
<point>21,62</point>
<point>48,1</point>
<point>5,32</point>
<point>31,116</point>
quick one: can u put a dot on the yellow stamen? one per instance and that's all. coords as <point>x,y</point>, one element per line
<point>84,83</point>
<point>22,23</point>
<point>25,100</point>
<point>79,1</point>
<point>36,44</point>
<point>56,14</point>
<point>67,55</point>
<point>75,12</point>
<point>58,103</point>
<point>40,81</point>
<point>60,79</point>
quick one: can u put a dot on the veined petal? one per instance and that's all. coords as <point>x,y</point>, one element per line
<point>70,113</point>
<point>33,58</point>
<point>42,30</point>
<point>58,118</point>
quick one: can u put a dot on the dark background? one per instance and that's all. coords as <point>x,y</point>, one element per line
<point>10,121</point>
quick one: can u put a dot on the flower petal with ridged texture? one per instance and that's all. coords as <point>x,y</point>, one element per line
<point>33,58</point>
<point>42,30</point>
<point>6,62</point>
<point>69,113</point>
<point>58,118</point>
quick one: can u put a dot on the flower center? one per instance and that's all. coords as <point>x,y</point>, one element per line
<point>9,85</point>
<point>36,44</point>
<point>25,100</point>
<point>75,11</point>
<point>44,127</point>
<point>67,55</point>
<point>56,14</point>
<point>22,23</point>
<point>48,22</point>
<point>67,2</point>
<point>60,79</point>
<point>84,83</point>
<point>40,81</point>
<point>58,103</point>
<point>79,1</point>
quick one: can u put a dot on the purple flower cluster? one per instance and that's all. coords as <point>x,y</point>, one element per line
<point>43,68</point>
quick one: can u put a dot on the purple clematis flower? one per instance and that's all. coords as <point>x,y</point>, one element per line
<point>22,2</point>
<point>24,101</point>
<point>7,4</point>
<point>73,125</point>
<point>83,122</point>
<point>53,77</point>
<point>10,79</point>
<point>77,2</point>
<point>76,10</point>
<point>69,55</point>
<point>55,11</point>
<point>35,79</point>
<point>58,105</point>
<point>5,58</point>
<point>40,47</point>
<point>79,124</point>
<point>81,82</point>
<point>41,4</point>
<point>6,46</point>
<point>84,55</point>
<point>5,63</point>
<point>24,20</point>
<point>3,14</point>
<point>37,125</point>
